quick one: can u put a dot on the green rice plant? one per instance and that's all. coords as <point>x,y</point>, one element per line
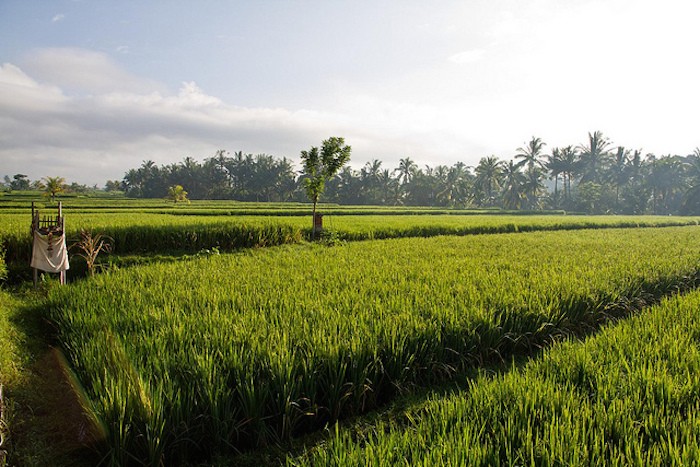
<point>136,230</point>
<point>3,266</point>
<point>155,233</point>
<point>12,359</point>
<point>627,396</point>
<point>237,350</point>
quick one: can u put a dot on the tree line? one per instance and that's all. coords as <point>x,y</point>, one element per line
<point>593,177</point>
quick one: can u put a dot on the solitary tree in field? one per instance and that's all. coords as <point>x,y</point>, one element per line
<point>321,166</point>
<point>54,186</point>
<point>177,193</point>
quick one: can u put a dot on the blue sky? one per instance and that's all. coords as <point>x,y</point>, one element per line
<point>89,89</point>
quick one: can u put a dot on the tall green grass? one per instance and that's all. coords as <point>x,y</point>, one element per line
<point>187,359</point>
<point>3,265</point>
<point>628,396</point>
<point>134,231</point>
<point>11,362</point>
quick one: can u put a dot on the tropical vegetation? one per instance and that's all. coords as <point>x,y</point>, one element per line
<point>594,177</point>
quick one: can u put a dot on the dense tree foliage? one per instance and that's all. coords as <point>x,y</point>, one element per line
<point>593,177</point>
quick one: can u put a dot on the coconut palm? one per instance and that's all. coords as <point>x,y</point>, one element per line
<point>177,193</point>
<point>665,178</point>
<point>488,180</point>
<point>619,172</point>
<point>569,160</point>
<point>534,187</point>
<point>513,186</point>
<point>406,170</point>
<point>531,154</point>
<point>593,157</point>
<point>53,186</point>
<point>555,167</point>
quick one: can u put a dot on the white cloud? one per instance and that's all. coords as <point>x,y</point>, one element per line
<point>58,17</point>
<point>468,56</point>
<point>20,93</point>
<point>80,71</point>
<point>94,136</point>
<point>555,72</point>
<point>104,127</point>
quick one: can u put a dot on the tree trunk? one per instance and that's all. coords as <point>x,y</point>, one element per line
<point>313,219</point>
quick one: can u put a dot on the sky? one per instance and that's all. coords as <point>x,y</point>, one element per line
<point>92,88</point>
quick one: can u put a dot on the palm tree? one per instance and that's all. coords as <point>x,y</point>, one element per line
<point>53,186</point>
<point>177,193</point>
<point>513,183</point>
<point>568,164</point>
<point>593,157</point>
<point>389,187</point>
<point>531,154</point>
<point>666,182</point>
<point>347,185</point>
<point>488,179</point>
<point>451,184</point>
<point>555,167</point>
<point>619,172</point>
<point>533,187</point>
<point>406,170</point>
<point>370,175</point>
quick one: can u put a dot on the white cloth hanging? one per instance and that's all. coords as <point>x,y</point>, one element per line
<point>50,253</point>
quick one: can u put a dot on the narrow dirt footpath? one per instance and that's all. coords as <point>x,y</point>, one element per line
<point>44,419</point>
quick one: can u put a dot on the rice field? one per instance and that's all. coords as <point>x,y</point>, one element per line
<point>217,348</point>
<point>185,360</point>
<point>628,396</point>
<point>136,231</point>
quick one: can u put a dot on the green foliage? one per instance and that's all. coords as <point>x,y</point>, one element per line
<point>331,238</point>
<point>149,226</point>
<point>3,266</point>
<point>19,182</point>
<point>624,397</point>
<point>264,344</point>
<point>321,166</point>
<point>12,358</point>
<point>177,194</point>
<point>53,186</point>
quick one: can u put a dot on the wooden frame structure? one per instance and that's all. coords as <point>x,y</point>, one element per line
<point>50,226</point>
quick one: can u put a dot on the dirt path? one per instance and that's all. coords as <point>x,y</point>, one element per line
<point>51,421</point>
<point>46,420</point>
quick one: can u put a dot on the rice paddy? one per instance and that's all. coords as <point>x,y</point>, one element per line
<point>185,359</point>
<point>224,348</point>
<point>628,396</point>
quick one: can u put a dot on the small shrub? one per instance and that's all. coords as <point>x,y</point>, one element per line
<point>89,247</point>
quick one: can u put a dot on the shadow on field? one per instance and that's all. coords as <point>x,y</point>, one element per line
<point>400,411</point>
<point>48,422</point>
